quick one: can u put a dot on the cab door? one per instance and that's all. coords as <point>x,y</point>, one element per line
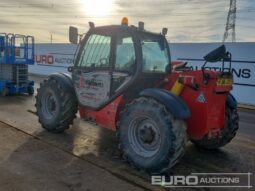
<point>92,72</point>
<point>125,62</point>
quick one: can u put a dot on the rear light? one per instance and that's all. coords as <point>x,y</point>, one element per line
<point>224,84</point>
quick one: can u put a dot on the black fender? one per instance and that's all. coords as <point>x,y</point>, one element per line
<point>231,101</point>
<point>174,104</point>
<point>65,80</point>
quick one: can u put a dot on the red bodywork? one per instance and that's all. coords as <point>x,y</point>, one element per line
<point>206,103</point>
<point>108,116</point>
<point>208,114</point>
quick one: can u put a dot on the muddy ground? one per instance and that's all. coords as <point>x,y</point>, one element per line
<point>86,157</point>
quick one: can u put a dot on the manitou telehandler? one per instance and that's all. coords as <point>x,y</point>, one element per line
<point>123,80</point>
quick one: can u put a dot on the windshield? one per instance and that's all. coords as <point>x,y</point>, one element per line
<point>155,54</point>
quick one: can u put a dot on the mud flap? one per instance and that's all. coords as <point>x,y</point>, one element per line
<point>173,103</point>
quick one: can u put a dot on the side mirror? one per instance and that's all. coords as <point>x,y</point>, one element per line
<point>73,35</point>
<point>164,31</point>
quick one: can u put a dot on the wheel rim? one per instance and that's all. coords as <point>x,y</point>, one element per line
<point>144,136</point>
<point>49,105</point>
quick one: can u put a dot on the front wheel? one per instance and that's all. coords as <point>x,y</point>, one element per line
<point>227,134</point>
<point>150,138</point>
<point>56,105</point>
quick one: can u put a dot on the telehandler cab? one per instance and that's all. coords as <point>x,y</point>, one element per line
<point>123,80</point>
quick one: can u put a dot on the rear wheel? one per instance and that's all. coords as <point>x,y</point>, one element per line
<point>56,106</point>
<point>227,134</point>
<point>151,139</point>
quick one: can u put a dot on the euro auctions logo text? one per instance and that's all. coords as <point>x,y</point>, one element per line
<point>174,180</point>
<point>51,59</point>
<point>196,180</point>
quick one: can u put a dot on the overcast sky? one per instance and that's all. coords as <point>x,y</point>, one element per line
<point>186,20</point>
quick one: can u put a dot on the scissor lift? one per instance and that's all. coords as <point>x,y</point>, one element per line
<point>16,53</point>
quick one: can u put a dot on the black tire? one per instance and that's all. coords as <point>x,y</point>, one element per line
<point>150,138</point>
<point>227,134</point>
<point>56,106</point>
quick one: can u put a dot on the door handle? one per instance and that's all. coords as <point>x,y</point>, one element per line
<point>81,71</point>
<point>77,71</point>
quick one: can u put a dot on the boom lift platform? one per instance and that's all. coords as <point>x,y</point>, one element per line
<point>16,53</point>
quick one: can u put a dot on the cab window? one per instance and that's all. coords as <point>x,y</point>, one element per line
<point>96,52</point>
<point>155,54</point>
<point>125,54</point>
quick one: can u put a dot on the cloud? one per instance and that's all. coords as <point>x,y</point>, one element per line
<point>187,20</point>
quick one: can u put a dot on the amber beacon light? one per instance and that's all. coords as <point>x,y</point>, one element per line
<point>124,21</point>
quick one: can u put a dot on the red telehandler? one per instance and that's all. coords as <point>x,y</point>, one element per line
<point>123,80</point>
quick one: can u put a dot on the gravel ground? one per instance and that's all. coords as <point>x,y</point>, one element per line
<point>86,156</point>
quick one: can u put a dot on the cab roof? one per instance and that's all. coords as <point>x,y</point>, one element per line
<point>123,27</point>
